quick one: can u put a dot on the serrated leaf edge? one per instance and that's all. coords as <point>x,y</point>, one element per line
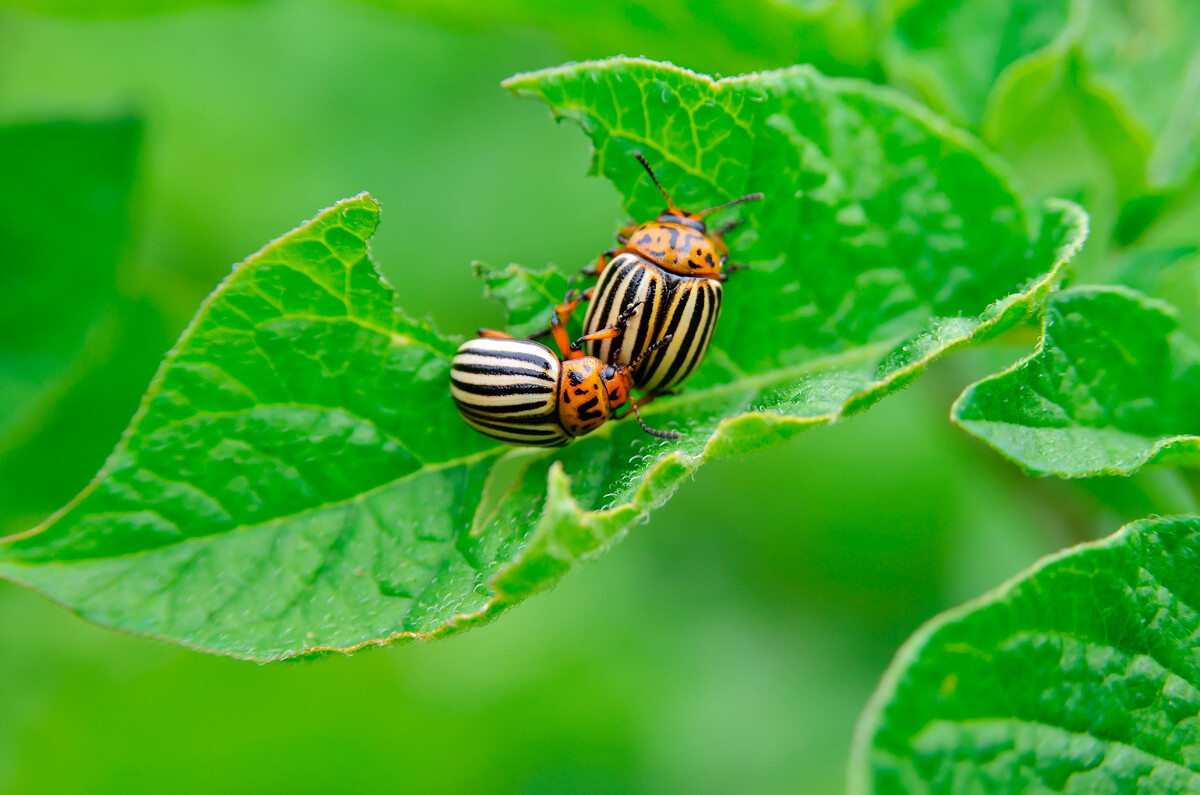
<point>519,85</point>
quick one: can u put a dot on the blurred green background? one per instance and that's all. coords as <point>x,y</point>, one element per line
<point>726,646</point>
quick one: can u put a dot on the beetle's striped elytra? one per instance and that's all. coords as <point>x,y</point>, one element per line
<point>686,309</point>
<point>508,389</point>
<point>520,392</point>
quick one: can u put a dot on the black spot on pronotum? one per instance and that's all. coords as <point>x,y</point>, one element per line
<point>579,391</point>
<point>586,409</point>
<point>575,377</point>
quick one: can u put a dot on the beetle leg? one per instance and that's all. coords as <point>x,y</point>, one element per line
<point>571,301</point>
<point>602,334</point>
<point>611,331</point>
<point>500,335</point>
<point>558,324</point>
<point>603,260</point>
<point>562,316</point>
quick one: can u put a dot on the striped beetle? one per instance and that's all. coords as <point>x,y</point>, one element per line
<point>674,267</point>
<point>519,392</point>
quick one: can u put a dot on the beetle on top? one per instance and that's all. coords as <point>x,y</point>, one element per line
<point>673,267</point>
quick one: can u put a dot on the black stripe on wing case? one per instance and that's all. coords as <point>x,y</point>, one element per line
<point>658,360</point>
<point>493,369</point>
<point>702,341</point>
<point>500,390</point>
<point>502,408</point>
<point>695,303</point>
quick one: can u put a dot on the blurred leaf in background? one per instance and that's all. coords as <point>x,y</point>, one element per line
<point>1093,100</point>
<point>78,340</point>
<point>710,36</point>
<point>65,214</point>
<point>114,9</point>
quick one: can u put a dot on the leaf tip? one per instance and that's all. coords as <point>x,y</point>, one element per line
<point>755,430</point>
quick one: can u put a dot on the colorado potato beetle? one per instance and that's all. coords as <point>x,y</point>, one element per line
<point>519,392</point>
<point>673,267</point>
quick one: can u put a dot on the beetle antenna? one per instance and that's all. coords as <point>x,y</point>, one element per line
<point>654,179</point>
<point>648,429</point>
<point>749,197</point>
<point>650,350</point>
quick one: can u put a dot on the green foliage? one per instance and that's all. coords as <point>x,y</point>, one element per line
<point>1126,68</point>
<point>952,52</point>
<point>277,441</point>
<point>64,174</point>
<point>1077,677</point>
<point>1092,100</point>
<point>1114,386</point>
<point>85,9</point>
<point>709,35</point>
<point>296,481</point>
<point>78,340</point>
<point>299,433</point>
<point>527,296</point>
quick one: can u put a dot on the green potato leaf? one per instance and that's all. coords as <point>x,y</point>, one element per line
<point>297,479</point>
<point>526,295</point>
<point>1114,386</point>
<point>1078,676</point>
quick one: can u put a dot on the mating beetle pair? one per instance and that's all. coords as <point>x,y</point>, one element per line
<point>649,321</point>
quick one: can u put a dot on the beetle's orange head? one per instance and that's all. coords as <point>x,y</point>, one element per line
<point>679,241</point>
<point>586,396</point>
